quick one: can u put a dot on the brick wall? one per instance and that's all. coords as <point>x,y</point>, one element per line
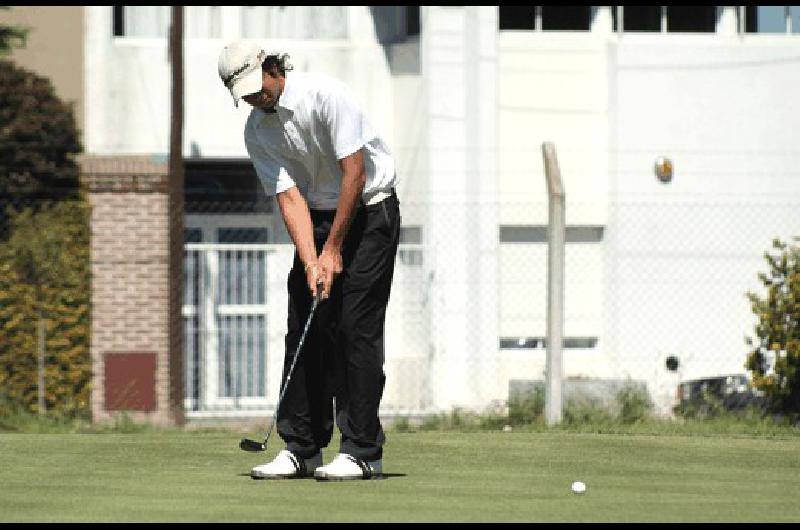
<point>132,281</point>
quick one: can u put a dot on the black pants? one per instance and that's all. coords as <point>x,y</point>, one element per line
<point>343,354</point>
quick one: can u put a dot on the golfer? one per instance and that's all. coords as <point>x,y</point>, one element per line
<point>334,178</point>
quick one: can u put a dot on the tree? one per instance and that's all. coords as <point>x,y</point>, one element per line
<point>775,359</point>
<point>11,36</point>
<point>44,246</point>
<point>38,141</point>
<point>45,274</point>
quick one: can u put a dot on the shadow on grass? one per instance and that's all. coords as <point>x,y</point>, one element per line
<point>382,476</point>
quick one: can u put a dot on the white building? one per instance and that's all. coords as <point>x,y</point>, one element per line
<point>465,96</point>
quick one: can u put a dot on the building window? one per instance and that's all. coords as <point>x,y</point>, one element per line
<point>411,234</point>
<point>142,21</point>
<point>639,18</point>
<point>119,21</point>
<point>192,235</point>
<point>538,234</point>
<point>532,343</point>
<point>703,19</point>
<point>692,19</point>
<point>154,21</point>
<point>395,24</point>
<point>203,22</point>
<point>294,22</point>
<point>547,18</point>
<point>517,17</point>
<point>410,251</point>
<point>242,235</point>
<point>412,20</point>
<point>223,186</point>
<point>566,18</point>
<point>772,19</point>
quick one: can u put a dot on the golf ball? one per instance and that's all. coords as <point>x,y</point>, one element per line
<point>578,487</point>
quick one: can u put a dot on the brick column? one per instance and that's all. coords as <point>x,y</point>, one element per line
<point>136,358</point>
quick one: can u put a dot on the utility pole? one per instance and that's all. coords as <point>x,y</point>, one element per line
<point>176,211</point>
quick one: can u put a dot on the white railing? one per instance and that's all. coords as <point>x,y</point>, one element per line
<point>234,314</point>
<point>231,330</point>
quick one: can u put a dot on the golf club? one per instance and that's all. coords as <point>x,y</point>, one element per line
<point>253,445</point>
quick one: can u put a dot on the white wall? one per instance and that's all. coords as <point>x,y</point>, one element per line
<point>459,74</point>
<point>552,86</point>
<point>681,256</point>
<point>129,85</point>
<point>671,274</point>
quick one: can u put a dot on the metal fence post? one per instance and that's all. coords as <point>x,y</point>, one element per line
<point>556,238</point>
<point>41,388</point>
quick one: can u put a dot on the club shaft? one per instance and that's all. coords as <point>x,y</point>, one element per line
<point>294,361</point>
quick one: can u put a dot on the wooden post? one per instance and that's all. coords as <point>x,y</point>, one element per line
<point>176,247</point>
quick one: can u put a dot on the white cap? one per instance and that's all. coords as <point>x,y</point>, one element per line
<point>240,68</point>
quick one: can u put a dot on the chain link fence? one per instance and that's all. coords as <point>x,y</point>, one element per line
<point>654,278</point>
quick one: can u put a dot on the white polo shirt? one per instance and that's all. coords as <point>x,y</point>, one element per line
<point>317,123</point>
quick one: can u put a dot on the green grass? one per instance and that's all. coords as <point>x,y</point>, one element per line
<point>441,475</point>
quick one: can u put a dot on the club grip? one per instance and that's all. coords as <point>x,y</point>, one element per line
<point>318,297</point>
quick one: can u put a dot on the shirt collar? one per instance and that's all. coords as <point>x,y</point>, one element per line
<point>290,95</point>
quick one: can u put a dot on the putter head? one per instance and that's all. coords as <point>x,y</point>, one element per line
<point>251,445</point>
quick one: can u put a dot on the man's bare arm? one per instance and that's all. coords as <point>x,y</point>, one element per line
<point>353,180</point>
<point>297,217</point>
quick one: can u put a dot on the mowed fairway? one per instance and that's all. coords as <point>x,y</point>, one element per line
<point>434,476</point>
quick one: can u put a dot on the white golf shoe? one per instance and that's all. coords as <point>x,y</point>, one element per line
<point>347,467</point>
<point>288,465</point>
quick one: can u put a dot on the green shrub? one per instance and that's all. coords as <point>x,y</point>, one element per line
<point>778,331</point>
<point>634,403</point>
<point>457,420</point>
<point>402,424</point>
<point>45,273</point>
<point>526,408</point>
<point>707,406</point>
<point>492,421</point>
<point>433,422</point>
<point>579,412</point>
<point>17,420</point>
<point>44,247</point>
